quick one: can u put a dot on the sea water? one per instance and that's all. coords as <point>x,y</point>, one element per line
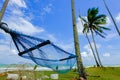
<point>13,67</point>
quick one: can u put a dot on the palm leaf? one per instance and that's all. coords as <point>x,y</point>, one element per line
<point>99,34</point>
<point>83,19</point>
<point>85,29</point>
<point>104,28</point>
<point>97,28</point>
<point>100,16</point>
<point>100,19</point>
<point>92,13</point>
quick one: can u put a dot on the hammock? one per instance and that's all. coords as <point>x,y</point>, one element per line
<point>42,52</point>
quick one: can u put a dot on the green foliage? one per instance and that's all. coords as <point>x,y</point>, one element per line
<point>108,73</point>
<point>94,22</point>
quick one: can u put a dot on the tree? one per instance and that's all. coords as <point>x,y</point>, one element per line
<point>117,29</point>
<point>94,23</point>
<point>97,64</point>
<point>76,43</point>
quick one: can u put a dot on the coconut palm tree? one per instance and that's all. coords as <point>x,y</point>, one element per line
<point>94,23</point>
<point>117,29</point>
<point>76,43</point>
<point>86,35</point>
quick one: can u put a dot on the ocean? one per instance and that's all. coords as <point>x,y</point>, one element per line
<point>12,67</point>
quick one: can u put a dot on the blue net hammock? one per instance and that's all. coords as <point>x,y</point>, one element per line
<point>42,52</point>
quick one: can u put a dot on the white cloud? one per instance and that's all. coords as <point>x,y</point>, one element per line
<point>110,46</point>
<point>47,9</point>
<point>88,47</point>
<point>106,54</point>
<point>118,17</point>
<point>14,51</point>
<point>4,41</point>
<point>88,54</point>
<point>4,48</point>
<point>7,47</point>
<point>20,3</point>
<point>17,12</point>
<point>79,26</point>
<point>9,56</point>
<point>18,21</point>
<point>84,54</point>
<point>108,22</point>
<point>111,36</point>
<point>23,25</point>
<point>51,37</point>
<point>67,47</point>
<point>111,59</point>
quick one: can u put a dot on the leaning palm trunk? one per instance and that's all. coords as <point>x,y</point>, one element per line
<point>112,17</point>
<point>34,72</point>
<point>98,65</point>
<point>3,9</point>
<point>76,43</point>
<point>96,49</point>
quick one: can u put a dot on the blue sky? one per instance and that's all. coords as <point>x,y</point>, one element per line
<point>52,19</point>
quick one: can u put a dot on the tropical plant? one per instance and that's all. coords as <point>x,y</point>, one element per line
<point>76,43</point>
<point>94,23</point>
<point>86,35</point>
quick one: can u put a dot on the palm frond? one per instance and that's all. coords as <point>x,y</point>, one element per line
<point>85,29</point>
<point>100,16</point>
<point>100,19</point>
<point>105,28</point>
<point>97,28</point>
<point>92,13</point>
<point>83,19</point>
<point>99,34</point>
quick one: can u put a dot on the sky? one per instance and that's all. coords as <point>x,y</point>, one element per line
<point>52,19</point>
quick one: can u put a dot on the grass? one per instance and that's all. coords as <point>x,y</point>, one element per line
<point>108,73</point>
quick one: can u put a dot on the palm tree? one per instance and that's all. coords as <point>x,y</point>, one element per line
<point>94,23</point>
<point>86,35</point>
<point>117,29</point>
<point>3,9</point>
<point>76,43</point>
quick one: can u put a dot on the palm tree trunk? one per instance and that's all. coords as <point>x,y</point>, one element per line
<point>3,9</point>
<point>112,17</point>
<point>34,72</point>
<point>77,48</point>
<point>98,65</point>
<point>96,49</point>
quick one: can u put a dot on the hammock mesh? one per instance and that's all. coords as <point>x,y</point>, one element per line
<point>42,52</point>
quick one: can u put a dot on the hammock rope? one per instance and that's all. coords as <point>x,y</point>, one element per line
<point>42,52</point>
